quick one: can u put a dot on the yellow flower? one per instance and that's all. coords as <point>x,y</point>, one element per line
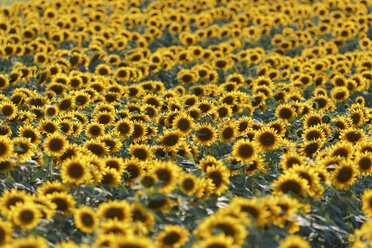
<point>173,236</point>
<point>294,241</point>
<point>26,215</point>
<point>85,219</point>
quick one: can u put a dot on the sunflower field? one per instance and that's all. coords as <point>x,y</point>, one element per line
<point>186,123</point>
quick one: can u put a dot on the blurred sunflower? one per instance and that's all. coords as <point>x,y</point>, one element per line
<point>167,173</point>
<point>294,241</point>
<point>290,183</point>
<point>367,202</point>
<point>30,241</point>
<point>173,236</point>
<point>85,219</point>
<point>6,148</point>
<point>26,215</point>
<point>170,140</point>
<point>6,232</point>
<point>64,201</point>
<point>75,171</point>
<point>220,178</point>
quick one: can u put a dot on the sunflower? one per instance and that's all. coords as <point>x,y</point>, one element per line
<point>313,133</point>
<point>183,123</point>
<point>26,215</point>
<point>23,149</point>
<point>220,178</point>
<point>124,128</point>
<point>85,219</point>
<point>291,158</point>
<point>8,110</point>
<point>364,163</point>
<point>131,241</point>
<point>49,187</point>
<point>367,202</point>
<point>27,131</point>
<point>254,208</point>
<point>290,183</point>
<point>110,177</point>
<point>104,118</point>
<point>96,147</point>
<point>344,175</point>
<point>139,131</point>
<point>311,176</point>
<point>189,183</point>
<point>173,236</point>
<point>294,241</point>
<point>64,201</point>
<point>310,148</point>
<point>116,227</point>
<point>55,144</point>
<point>352,135</point>
<point>205,134</point>
<point>29,242</point>
<point>227,226</point>
<point>342,150</point>
<point>228,131</point>
<point>114,209</point>
<point>220,241</point>
<point>5,231</point>
<point>6,148</point>
<point>167,173</point>
<point>341,122</point>
<point>140,151</point>
<point>312,119</point>
<point>141,215</point>
<point>7,166</point>
<point>267,139</point>
<point>171,140</point>
<point>10,198</point>
<point>244,150</point>
<point>75,171</point>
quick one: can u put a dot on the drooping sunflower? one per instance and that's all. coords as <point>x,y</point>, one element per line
<point>205,134</point>
<point>85,219</point>
<point>267,139</point>
<point>244,150</point>
<point>6,148</point>
<point>115,209</point>
<point>294,241</point>
<point>344,175</point>
<point>26,215</point>
<point>367,202</point>
<point>55,144</point>
<point>173,236</point>
<point>290,183</point>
